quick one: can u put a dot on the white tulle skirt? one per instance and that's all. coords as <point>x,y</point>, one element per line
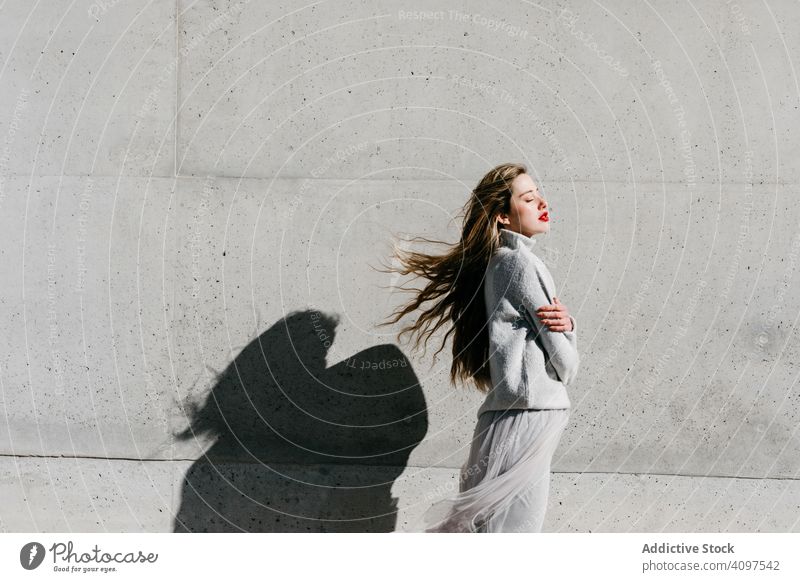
<point>505,482</point>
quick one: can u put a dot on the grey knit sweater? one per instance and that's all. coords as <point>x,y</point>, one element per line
<point>530,365</point>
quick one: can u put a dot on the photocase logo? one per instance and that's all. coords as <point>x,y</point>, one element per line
<point>31,555</point>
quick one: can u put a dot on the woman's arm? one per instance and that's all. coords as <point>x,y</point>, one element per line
<point>533,292</point>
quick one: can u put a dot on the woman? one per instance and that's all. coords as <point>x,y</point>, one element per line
<point>513,339</point>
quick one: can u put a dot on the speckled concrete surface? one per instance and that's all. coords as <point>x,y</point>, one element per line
<point>195,197</point>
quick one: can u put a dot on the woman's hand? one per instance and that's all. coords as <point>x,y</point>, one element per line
<point>555,316</point>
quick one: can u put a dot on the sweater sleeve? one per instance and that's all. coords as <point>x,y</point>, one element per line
<point>561,346</point>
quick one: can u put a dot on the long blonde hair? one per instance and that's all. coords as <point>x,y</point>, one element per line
<point>455,280</point>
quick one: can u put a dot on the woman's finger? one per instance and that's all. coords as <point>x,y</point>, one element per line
<point>555,320</point>
<point>557,311</point>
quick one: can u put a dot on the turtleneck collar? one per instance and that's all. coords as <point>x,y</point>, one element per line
<point>512,239</point>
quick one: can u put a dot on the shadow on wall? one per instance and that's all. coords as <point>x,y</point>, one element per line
<point>300,447</point>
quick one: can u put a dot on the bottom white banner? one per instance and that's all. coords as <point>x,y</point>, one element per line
<point>349,557</point>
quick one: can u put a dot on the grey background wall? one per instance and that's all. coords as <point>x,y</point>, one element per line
<point>194,194</point>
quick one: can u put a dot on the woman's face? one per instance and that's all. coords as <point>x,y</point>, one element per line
<point>529,212</point>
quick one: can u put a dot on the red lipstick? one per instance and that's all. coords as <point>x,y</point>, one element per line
<point>545,217</point>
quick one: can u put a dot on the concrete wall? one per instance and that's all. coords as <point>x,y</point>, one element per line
<point>194,196</point>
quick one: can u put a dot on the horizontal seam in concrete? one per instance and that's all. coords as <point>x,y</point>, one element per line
<point>172,176</point>
<point>183,460</point>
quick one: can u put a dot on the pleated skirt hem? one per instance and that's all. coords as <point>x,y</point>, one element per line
<point>504,483</point>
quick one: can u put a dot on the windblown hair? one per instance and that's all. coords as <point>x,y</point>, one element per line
<point>455,280</point>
